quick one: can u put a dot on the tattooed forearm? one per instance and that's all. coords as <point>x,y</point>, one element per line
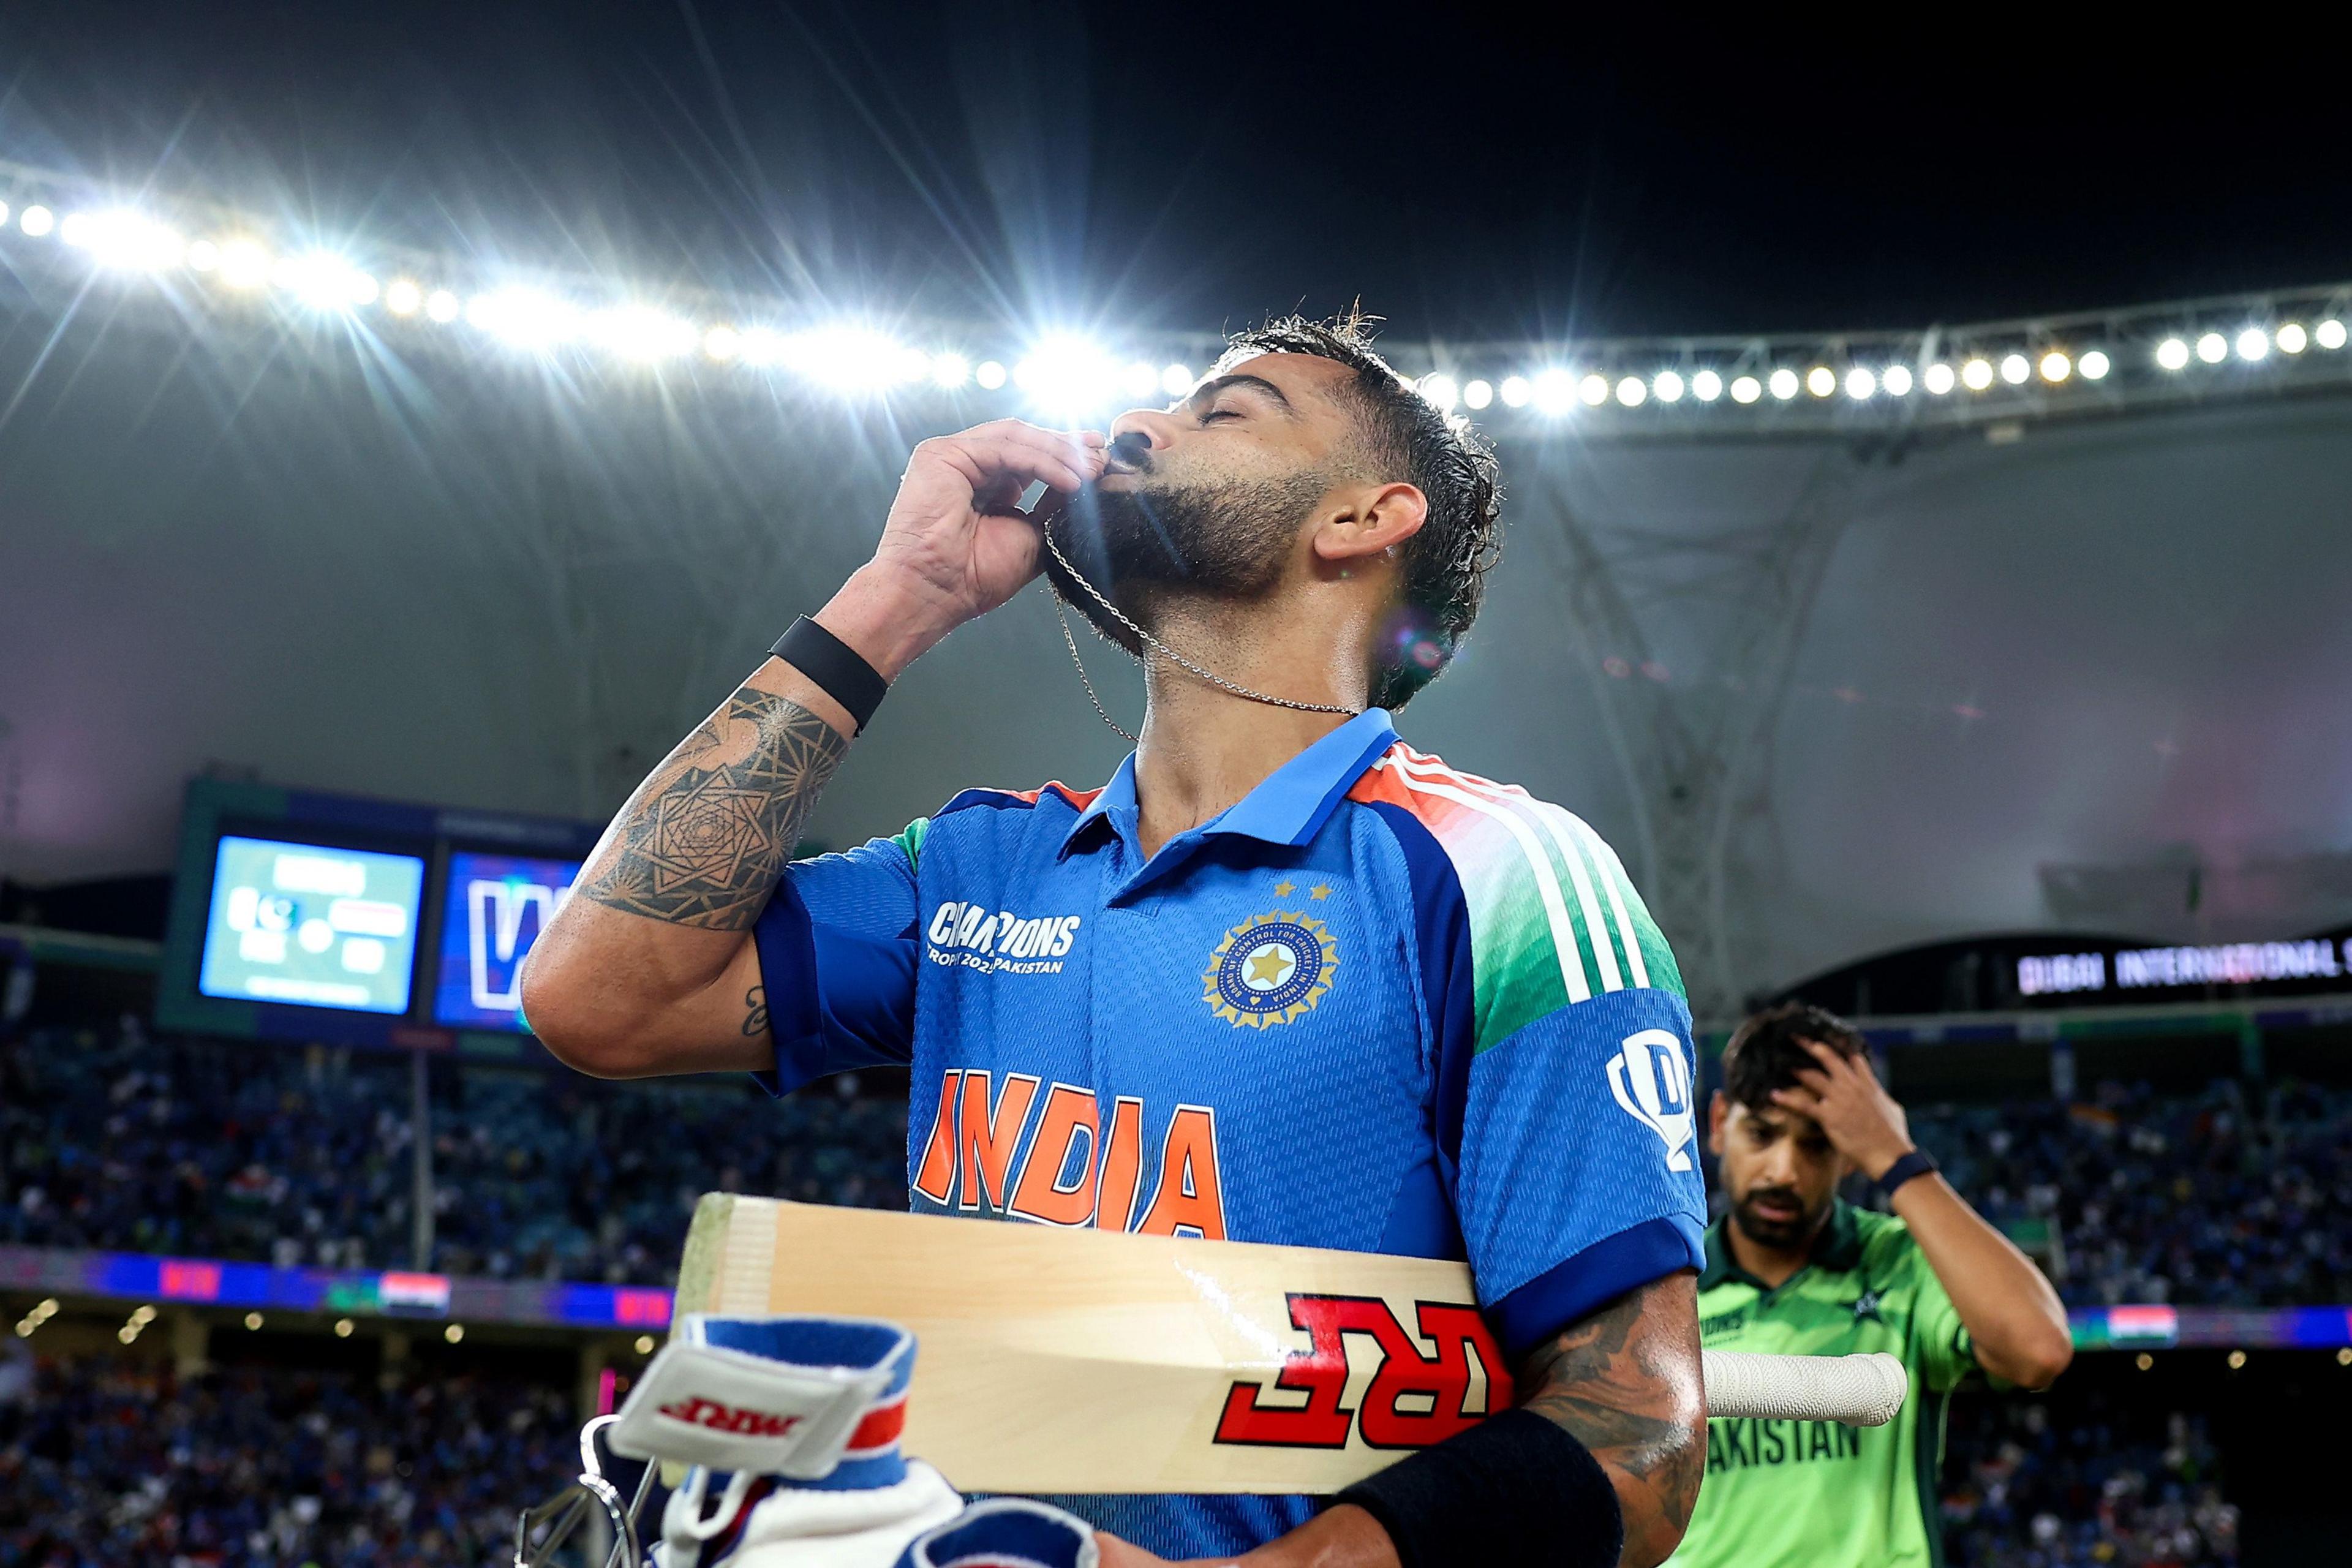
<point>703,840</point>
<point>1625,1383</point>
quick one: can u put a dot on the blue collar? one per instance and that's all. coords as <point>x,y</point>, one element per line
<point>1292,804</point>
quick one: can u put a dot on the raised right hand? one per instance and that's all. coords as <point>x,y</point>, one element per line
<point>953,547</point>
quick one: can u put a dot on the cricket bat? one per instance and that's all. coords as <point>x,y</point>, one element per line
<point>1085,1361</point>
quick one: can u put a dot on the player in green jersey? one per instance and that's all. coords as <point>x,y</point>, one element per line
<point>1794,1270</point>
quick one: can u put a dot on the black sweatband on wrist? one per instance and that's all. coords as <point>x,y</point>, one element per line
<point>1918,1163</point>
<point>835,669</point>
<point>1514,1489</point>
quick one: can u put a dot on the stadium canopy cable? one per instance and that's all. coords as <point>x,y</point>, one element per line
<point>1992,375</point>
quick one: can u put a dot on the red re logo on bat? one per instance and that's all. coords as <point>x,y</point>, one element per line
<point>1414,1401</point>
<point>700,1412</point>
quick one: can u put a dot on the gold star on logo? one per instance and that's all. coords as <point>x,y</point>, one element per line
<point>1270,967</point>
<point>1320,891</point>
<point>1284,889</point>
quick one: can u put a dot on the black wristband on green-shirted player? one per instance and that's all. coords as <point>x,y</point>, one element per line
<point>835,669</point>
<point>1918,1163</point>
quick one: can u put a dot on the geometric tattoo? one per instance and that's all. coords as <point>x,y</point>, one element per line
<point>704,839</point>
<point>1623,1383</point>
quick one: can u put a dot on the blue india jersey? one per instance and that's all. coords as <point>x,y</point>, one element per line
<point>1378,1005</point>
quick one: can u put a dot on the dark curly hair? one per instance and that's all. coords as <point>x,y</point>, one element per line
<point>1406,437</point>
<point>1764,1053</point>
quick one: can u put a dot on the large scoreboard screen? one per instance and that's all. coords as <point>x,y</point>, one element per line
<point>303,916</point>
<point>311,923</point>
<point>492,909</point>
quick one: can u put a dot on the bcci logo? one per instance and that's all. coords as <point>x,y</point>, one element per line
<point>1270,970</point>
<point>1652,1083</point>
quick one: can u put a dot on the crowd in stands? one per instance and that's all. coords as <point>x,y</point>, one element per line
<point>2233,1197</point>
<point>2106,1488</point>
<point>301,1156</point>
<point>107,1461</point>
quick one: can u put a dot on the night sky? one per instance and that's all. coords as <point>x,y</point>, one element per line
<point>1196,167</point>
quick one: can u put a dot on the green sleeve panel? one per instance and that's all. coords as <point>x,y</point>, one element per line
<point>910,841</point>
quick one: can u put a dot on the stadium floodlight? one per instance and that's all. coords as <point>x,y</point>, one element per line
<point>1667,386</point>
<point>36,220</point>
<point>950,370</point>
<point>402,297</point>
<point>2213,348</point>
<point>2328,334</point>
<point>1067,374</point>
<point>1554,391</point>
<point>722,344</point>
<point>851,358</point>
<point>1976,374</point>
<point>125,241</point>
<point>324,280</point>
<point>244,264</point>
<point>761,346</point>
<point>1632,390</point>
<point>1783,384</point>
<point>2292,339</point>
<point>1477,393</point>
<point>1178,381</point>
<point>642,334</point>
<point>1897,380</point>
<point>2094,365</point>
<point>2014,369</point>
<point>442,306</point>
<point>1442,390</point>
<point>204,256</point>
<point>988,374</point>
<point>1515,391</point>
<point>2172,354</point>
<point>2253,343</point>
<point>1938,379</point>
<point>1706,386</point>
<point>525,318</point>
<point>1141,380</point>
<point>1821,380</point>
<point>1593,389</point>
<point>2056,367</point>
<point>1860,384</point>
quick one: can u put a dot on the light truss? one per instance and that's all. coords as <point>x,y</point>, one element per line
<point>1991,374</point>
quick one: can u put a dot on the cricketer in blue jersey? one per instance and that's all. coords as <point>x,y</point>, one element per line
<point>1282,979</point>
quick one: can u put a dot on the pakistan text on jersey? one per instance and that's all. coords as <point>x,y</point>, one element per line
<point>1083,1167</point>
<point>1744,1445</point>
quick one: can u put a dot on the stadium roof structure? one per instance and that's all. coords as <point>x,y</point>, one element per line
<point>1835,673</point>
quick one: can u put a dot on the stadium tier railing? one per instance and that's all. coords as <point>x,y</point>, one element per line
<point>565,1304</point>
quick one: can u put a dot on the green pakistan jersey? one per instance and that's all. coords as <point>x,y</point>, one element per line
<point>1813,1494</point>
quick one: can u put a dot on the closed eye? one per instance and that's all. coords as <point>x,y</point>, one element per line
<point>1214,414</point>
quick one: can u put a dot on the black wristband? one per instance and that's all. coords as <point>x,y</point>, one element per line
<point>1918,1163</point>
<point>834,668</point>
<point>1514,1490</point>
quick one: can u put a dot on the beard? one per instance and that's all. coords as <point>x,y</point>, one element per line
<point>1158,539</point>
<point>1779,1235</point>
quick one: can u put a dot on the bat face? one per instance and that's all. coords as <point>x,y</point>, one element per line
<point>1082,1360</point>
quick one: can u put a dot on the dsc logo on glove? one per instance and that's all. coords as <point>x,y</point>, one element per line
<point>700,1412</point>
